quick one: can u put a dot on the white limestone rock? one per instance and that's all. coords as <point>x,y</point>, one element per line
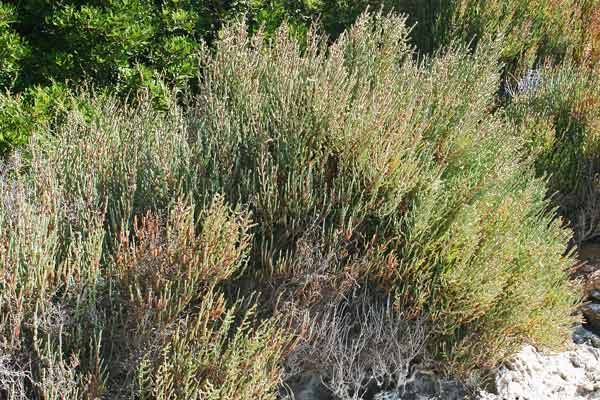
<point>531,375</point>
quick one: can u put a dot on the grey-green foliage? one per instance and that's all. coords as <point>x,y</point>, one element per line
<point>143,318</point>
<point>559,118</point>
<point>366,141</point>
<point>403,162</point>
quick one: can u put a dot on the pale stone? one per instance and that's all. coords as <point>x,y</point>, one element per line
<point>571,375</point>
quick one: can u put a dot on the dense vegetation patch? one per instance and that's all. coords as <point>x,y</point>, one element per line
<point>341,207</point>
<point>48,48</point>
<point>559,111</point>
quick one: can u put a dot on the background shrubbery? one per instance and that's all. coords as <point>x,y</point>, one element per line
<point>49,49</point>
<point>311,204</point>
<point>559,111</point>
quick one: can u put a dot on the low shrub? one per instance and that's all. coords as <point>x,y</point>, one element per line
<point>180,337</point>
<point>359,346</point>
<point>533,31</point>
<point>560,118</point>
<point>145,320</point>
<point>127,244</point>
<point>207,358</point>
<point>404,159</point>
<point>127,159</point>
<point>50,283</point>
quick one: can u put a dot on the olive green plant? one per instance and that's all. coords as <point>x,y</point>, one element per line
<point>533,31</point>
<point>156,253</point>
<point>558,109</point>
<point>403,157</point>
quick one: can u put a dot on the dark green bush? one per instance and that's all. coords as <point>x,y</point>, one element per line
<point>13,48</point>
<point>48,48</point>
<point>117,43</point>
<point>35,109</point>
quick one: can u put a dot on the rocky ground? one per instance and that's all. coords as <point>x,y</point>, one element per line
<point>589,271</point>
<point>570,375</point>
<point>531,375</point>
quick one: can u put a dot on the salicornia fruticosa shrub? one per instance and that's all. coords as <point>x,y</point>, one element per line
<point>214,356</point>
<point>405,159</point>
<point>91,312</point>
<point>533,31</point>
<point>181,338</point>
<point>558,109</point>
<point>127,160</point>
<point>50,283</point>
<point>315,173</point>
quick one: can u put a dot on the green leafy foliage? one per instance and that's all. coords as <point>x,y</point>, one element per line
<point>13,49</point>
<point>34,110</point>
<point>108,42</point>
<point>50,48</point>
